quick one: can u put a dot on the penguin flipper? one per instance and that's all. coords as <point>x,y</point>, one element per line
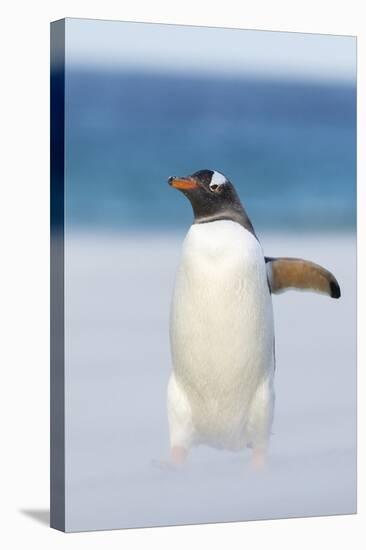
<point>295,273</point>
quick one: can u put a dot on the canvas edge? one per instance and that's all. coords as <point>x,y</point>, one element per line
<point>57,330</point>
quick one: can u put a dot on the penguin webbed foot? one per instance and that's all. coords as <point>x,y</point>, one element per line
<point>258,461</point>
<point>178,455</point>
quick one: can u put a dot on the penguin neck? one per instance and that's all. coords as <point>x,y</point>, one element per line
<point>234,213</point>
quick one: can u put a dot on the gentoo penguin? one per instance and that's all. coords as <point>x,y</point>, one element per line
<point>220,391</point>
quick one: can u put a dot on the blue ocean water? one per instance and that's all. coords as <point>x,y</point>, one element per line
<point>288,146</point>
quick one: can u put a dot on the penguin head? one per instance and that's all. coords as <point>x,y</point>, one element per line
<point>208,191</point>
<point>213,197</point>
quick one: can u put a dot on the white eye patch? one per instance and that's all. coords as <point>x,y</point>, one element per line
<point>217,180</point>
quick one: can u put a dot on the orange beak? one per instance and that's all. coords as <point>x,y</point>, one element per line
<point>183,183</point>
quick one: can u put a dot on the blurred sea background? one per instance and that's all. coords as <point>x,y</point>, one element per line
<point>276,113</point>
<point>287,140</point>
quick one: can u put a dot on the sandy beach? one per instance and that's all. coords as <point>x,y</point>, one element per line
<point>118,292</point>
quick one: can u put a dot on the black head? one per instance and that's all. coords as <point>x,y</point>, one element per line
<point>212,196</point>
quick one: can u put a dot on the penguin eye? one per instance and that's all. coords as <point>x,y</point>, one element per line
<point>214,186</point>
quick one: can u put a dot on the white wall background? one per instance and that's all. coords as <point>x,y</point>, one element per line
<point>24,301</point>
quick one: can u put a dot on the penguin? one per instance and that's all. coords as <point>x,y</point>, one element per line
<point>221,387</point>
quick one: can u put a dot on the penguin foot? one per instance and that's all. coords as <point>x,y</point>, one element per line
<point>259,460</point>
<point>177,459</point>
<point>178,455</point>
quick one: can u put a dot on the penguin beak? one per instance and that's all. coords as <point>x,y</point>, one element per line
<point>183,183</point>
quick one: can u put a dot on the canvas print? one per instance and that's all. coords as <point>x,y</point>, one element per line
<point>203,275</point>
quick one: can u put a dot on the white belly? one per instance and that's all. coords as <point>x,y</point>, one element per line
<point>221,330</point>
